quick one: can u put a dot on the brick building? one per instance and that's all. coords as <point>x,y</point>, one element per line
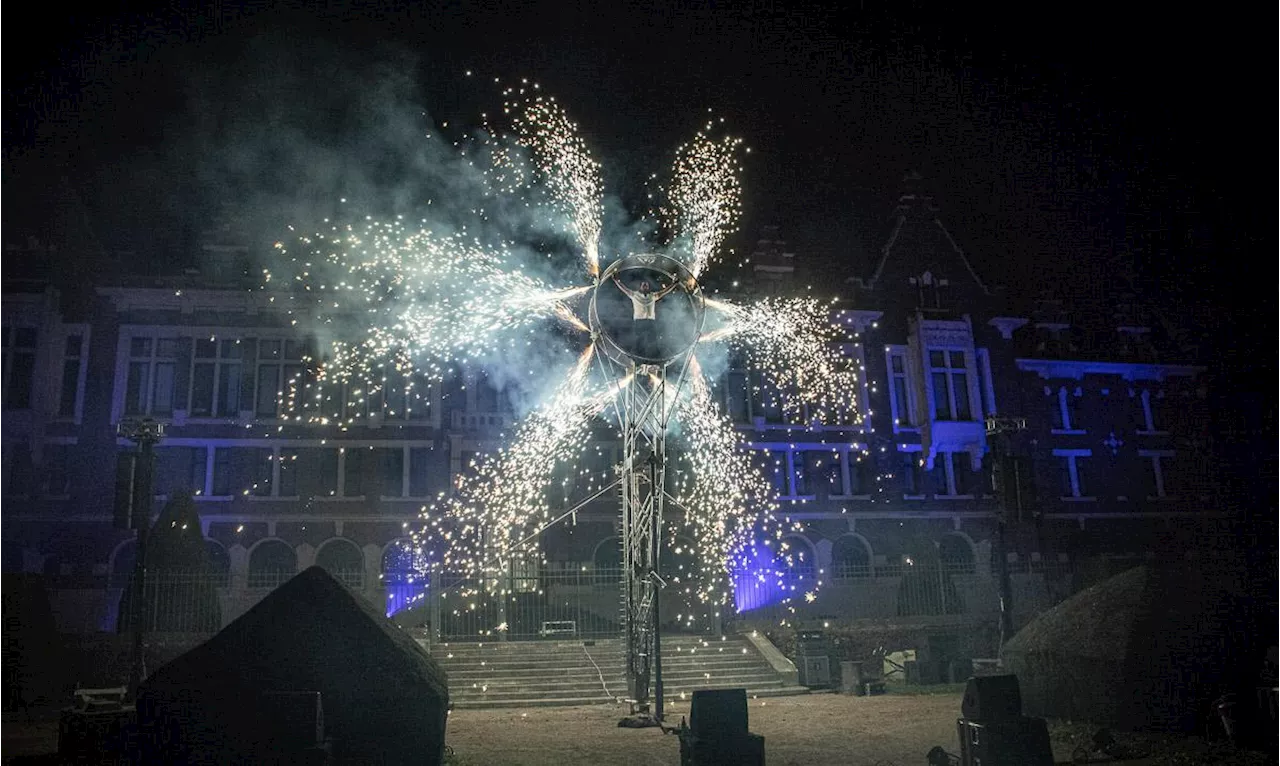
<point>1114,460</point>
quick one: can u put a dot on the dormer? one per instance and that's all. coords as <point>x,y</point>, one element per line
<point>945,377</point>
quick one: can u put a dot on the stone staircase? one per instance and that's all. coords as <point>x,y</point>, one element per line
<point>530,673</point>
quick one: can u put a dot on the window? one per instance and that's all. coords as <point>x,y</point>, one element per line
<point>861,479</point>
<point>222,472</point>
<point>180,469</point>
<point>955,554</point>
<point>796,563</point>
<point>57,462</point>
<point>899,391</point>
<point>343,560</point>
<point>418,466</point>
<point>406,397</point>
<point>72,376</point>
<point>952,476</point>
<point>216,377</point>
<point>19,473</point>
<point>766,399</point>
<point>850,558</point>
<point>911,474</point>
<point>279,377</point>
<point>801,484</point>
<point>352,472</point>
<point>950,385</point>
<point>243,471</point>
<point>1063,410</point>
<point>309,472</point>
<point>149,386</point>
<point>19,366</point>
<point>271,563</point>
<point>1151,423</point>
<point>262,464</point>
<point>986,391</point>
<point>289,471</point>
<point>391,471</point>
<point>1072,473</point>
<point>737,396</point>
<point>825,471</point>
<point>1157,477</point>
<point>773,466</point>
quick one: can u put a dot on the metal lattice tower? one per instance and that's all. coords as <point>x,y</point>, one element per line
<point>651,376</point>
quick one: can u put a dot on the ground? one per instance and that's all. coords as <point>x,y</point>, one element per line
<point>800,731</point>
<point>891,730</point>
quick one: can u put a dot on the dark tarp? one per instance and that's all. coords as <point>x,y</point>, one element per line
<point>385,700</point>
<point>1151,647</point>
<point>181,593</point>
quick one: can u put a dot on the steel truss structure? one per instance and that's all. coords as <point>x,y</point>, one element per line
<point>650,387</point>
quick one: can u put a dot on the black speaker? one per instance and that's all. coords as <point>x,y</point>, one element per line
<point>747,750</point>
<point>1007,742</point>
<point>991,698</point>
<point>718,714</point>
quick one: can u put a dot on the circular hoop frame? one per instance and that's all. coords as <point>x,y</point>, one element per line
<point>668,267</point>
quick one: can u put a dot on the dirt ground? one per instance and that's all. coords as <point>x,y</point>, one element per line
<point>809,730</point>
<point>798,731</point>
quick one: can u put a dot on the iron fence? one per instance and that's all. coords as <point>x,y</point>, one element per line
<point>528,605</point>
<point>575,601</point>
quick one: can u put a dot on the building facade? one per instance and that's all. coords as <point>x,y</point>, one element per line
<point>1107,453</point>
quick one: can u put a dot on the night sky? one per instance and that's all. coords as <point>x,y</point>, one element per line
<point>1064,138</point>
<point>1066,143</point>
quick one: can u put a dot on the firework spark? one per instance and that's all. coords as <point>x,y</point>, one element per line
<point>731,504</point>
<point>705,197</point>
<point>407,305</point>
<point>795,344</point>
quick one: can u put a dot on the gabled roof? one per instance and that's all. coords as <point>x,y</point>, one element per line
<point>915,218</point>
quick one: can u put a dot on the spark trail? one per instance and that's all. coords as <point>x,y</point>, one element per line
<point>398,307</point>
<point>733,504</point>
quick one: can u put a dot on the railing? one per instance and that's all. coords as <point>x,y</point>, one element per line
<point>173,603</point>
<point>581,602</point>
<point>549,604</point>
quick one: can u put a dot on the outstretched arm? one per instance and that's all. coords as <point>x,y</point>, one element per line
<point>667,289</point>
<point>622,287</point>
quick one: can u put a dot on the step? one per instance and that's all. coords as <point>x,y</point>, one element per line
<point>492,694</point>
<point>530,673</point>
<point>532,701</point>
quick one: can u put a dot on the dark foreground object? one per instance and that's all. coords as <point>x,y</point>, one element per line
<point>994,732</point>
<point>717,733</point>
<point>1149,649</point>
<point>312,661</point>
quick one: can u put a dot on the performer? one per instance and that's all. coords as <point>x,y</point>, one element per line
<point>644,301</point>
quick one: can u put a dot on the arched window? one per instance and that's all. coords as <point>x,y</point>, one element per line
<point>955,554</point>
<point>398,564</point>
<point>342,559</point>
<point>271,563</point>
<point>607,561</point>
<point>850,558</point>
<point>122,564</point>
<point>219,563</point>
<point>797,563</point>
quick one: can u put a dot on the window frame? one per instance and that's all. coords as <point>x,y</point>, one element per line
<point>11,352</point>
<point>1072,456</point>
<point>904,413</point>
<point>81,360</point>
<point>950,372</point>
